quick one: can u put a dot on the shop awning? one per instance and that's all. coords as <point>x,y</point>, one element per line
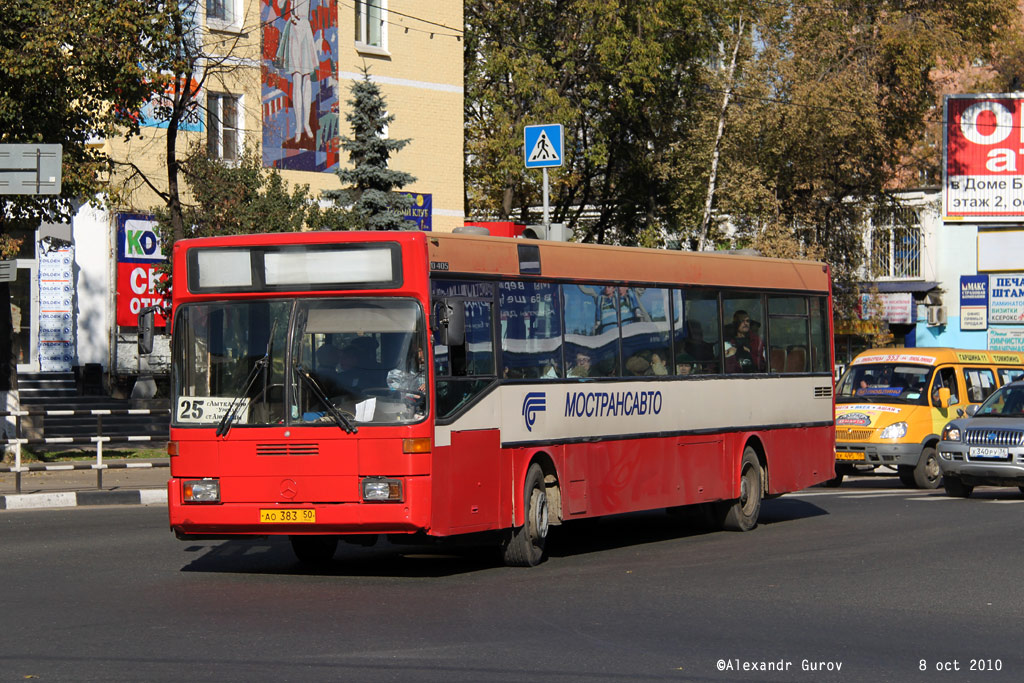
<point>895,286</point>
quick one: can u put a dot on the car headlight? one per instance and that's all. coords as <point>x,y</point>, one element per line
<point>896,430</point>
<point>951,433</point>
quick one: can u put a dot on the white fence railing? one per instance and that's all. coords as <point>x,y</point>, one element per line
<point>97,439</point>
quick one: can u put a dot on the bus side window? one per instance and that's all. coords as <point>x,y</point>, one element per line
<point>980,383</point>
<point>1007,375</point>
<point>695,325</point>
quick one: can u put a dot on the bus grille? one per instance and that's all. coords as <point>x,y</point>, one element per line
<point>822,392</point>
<point>287,449</point>
<point>848,434</point>
<point>993,437</point>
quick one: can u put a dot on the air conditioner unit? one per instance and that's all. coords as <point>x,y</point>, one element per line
<point>936,316</point>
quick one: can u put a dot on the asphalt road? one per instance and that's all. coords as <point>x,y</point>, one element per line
<point>873,578</point>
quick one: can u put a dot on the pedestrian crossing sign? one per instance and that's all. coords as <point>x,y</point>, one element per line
<point>543,145</point>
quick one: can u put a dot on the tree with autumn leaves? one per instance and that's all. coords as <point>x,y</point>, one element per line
<point>779,125</point>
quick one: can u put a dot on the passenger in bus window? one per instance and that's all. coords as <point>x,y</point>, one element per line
<point>658,365</point>
<point>744,351</point>
<point>696,347</point>
<point>582,367</point>
<point>551,370</point>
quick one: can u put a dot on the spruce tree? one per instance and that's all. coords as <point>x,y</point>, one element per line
<point>369,201</point>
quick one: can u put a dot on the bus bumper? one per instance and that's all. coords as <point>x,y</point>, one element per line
<point>223,520</point>
<point>893,454</point>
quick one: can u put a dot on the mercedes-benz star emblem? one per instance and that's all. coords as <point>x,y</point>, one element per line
<point>289,488</point>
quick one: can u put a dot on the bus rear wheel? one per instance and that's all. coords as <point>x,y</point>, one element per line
<point>741,514</point>
<point>314,549</point>
<point>525,546</point>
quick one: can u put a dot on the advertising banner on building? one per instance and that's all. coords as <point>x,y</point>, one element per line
<point>1006,299</point>
<point>892,307</point>
<point>973,302</point>
<point>1000,339</point>
<point>421,210</point>
<point>56,305</point>
<point>139,258</point>
<point>983,170</point>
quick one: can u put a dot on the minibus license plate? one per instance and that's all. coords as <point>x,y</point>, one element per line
<point>988,453</point>
<point>846,455</point>
<point>284,516</point>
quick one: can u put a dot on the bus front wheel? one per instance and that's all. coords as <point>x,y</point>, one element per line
<point>741,514</point>
<point>524,546</point>
<point>927,474</point>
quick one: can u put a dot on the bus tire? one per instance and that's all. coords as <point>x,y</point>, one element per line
<point>927,474</point>
<point>836,481</point>
<point>956,487</point>
<point>741,514</point>
<point>525,546</point>
<point>314,549</point>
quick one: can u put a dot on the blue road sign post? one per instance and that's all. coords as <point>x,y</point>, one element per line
<point>542,148</point>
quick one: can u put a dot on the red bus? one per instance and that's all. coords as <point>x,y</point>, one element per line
<point>346,385</point>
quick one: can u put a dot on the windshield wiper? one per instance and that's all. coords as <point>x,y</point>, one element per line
<point>224,426</point>
<point>343,422</point>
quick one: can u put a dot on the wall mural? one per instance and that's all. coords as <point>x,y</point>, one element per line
<point>300,84</point>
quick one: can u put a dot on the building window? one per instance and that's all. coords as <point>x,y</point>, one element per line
<point>371,20</point>
<point>223,130</point>
<point>223,14</point>
<point>895,245</point>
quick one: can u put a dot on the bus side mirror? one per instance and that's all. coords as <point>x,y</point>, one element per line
<point>147,319</point>
<point>944,395</point>
<point>450,322</point>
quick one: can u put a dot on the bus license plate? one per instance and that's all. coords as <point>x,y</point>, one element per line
<point>988,453</point>
<point>293,516</point>
<point>845,455</point>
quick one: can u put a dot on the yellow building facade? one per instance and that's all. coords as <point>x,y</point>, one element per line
<point>274,77</point>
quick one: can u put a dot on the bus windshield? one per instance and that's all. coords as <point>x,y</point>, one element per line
<point>352,361</point>
<point>885,383</point>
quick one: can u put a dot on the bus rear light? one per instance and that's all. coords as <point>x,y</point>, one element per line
<point>380,489</point>
<point>421,445</point>
<point>172,448</point>
<point>200,491</point>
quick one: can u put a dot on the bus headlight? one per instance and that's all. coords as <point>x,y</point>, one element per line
<point>200,491</point>
<point>896,430</point>
<point>382,489</point>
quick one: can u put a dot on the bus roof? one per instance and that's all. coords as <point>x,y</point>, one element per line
<point>938,355</point>
<point>484,255</point>
<point>500,256</point>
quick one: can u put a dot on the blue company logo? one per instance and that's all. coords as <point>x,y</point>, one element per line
<point>535,402</point>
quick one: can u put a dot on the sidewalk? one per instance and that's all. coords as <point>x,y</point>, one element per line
<point>125,482</point>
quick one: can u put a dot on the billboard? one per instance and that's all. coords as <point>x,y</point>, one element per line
<point>139,259</point>
<point>982,167</point>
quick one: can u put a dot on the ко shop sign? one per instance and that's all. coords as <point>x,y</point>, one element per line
<point>137,287</point>
<point>983,157</point>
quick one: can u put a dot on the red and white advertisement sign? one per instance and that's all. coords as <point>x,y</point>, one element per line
<point>137,285</point>
<point>983,157</point>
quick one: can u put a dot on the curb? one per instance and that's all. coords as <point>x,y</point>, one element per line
<point>68,499</point>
